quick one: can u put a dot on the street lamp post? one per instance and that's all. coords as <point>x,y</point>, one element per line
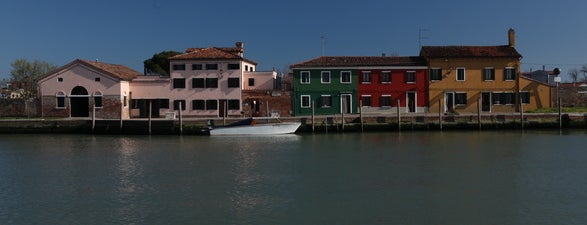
<point>557,80</point>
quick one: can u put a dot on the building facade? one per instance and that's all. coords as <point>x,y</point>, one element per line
<point>465,79</point>
<point>372,84</point>
<point>82,87</point>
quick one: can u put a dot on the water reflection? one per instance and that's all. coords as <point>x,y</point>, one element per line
<point>488,177</point>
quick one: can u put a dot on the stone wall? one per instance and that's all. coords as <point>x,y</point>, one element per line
<point>18,108</point>
<point>570,96</point>
<point>278,102</point>
<point>110,108</point>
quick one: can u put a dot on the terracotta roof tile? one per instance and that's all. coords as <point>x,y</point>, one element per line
<point>358,61</point>
<point>207,53</point>
<point>119,71</point>
<point>469,51</point>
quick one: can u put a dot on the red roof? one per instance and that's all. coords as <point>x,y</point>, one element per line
<point>207,53</point>
<point>358,61</point>
<point>469,51</point>
<point>119,71</point>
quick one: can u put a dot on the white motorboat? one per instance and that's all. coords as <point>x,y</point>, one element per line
<point>252,127</point>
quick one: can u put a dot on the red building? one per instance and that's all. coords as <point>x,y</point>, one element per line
<point>385,82</point>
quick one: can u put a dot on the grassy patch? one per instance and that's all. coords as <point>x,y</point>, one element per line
<point>563,109</point>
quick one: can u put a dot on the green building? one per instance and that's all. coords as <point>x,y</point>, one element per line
<point>330,89</point>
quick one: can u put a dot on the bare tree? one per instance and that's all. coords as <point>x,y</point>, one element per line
<point>25,74</point>
<point>574,73</point>
<point>584,71</point>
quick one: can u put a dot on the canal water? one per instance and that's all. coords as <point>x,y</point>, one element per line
<point>488,177</point>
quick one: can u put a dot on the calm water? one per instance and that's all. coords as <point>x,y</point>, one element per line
<point>535,177</point>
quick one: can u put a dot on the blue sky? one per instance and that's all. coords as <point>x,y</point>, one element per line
<point>279,33</point>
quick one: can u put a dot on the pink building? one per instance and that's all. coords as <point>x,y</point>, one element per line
<point>204,82</point>
<point>75,89</point>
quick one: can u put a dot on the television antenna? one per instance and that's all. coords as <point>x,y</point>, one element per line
<point>421,36</point>
<point>323,42</point>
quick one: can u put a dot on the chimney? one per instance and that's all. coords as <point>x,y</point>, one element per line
<point>512,38</point>
<point>383,54</point>
<point>241,48</point>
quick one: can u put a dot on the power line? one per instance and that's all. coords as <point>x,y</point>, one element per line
<point>553,64</point>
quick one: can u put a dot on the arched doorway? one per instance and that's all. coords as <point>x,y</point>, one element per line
<point>79,102</point>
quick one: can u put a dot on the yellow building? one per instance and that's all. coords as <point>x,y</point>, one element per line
<point>465,79</point>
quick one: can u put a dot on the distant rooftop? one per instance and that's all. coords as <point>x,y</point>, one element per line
<point>359,61</point>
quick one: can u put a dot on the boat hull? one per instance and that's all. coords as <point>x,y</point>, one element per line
<point>258,129</point>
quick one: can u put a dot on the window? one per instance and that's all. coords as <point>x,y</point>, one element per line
<point>60,100</point>
<point>178,66</point>
<point>325,101</point>
<point>211,66</point>
<point>198,105</point>
<point>204,82</point>
<point>211,82</point>
<point>504,98</point>
<point>366,77</point>
<point>211,104</point>
<point>366,100</point>
<point>460,98</point>
<point>435,74</point>
<point>98,99</point>
<point>411,77</point>
<point>325,77</point>
<point>385,101</point>
<point>233,82</point>
<point>234,66</point>
<point>305,101</point>
<point>198,83</point>
<point>305,77</point>
<point>525,97</point>
<point>196,66</point>
<point>178,103</point>
<point>461,74</point>
<point>246,67</point>
<point>164,103</point>
<point>385,77</point>
<point>509,73</point>
<point>251,82</point>
<point>234,104</point>
<point>345,77</point>
<point>178,82</point>
<point>97,79</point>
<point>124,101</point>
<point>488,74</point>
<point>60,79</point>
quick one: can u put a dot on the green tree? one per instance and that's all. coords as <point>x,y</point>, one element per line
<point>159,63</point>
<point>25,74</point>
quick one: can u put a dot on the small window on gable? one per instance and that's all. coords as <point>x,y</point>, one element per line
<point>60,79</point>
<point>97,79</point>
